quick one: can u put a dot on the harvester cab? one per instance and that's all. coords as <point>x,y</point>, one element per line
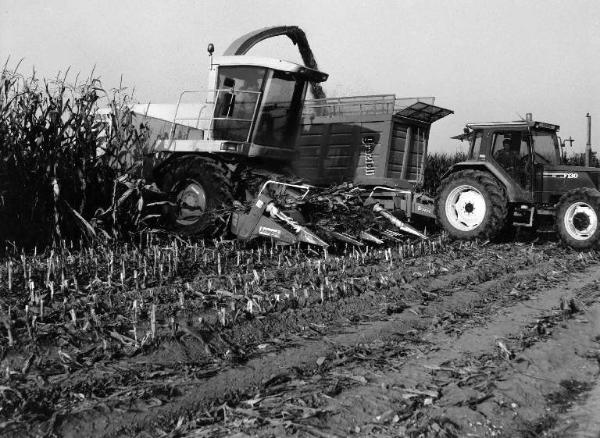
<point>252,108</point>
<point>514,177</point>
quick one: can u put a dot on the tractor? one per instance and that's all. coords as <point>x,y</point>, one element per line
<point>254,134</point>
<point>513,176</point>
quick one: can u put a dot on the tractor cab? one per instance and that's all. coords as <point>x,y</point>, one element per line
<point>252,107</point>
<point>523,155</point>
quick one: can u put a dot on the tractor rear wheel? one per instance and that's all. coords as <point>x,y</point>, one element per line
<point>199,186</point>
<point>577,217</point>
<point>471,204</point>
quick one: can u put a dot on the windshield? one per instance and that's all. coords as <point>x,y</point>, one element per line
<point>545,146</point>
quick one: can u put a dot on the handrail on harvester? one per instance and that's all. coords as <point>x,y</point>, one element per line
<point>212,117</point>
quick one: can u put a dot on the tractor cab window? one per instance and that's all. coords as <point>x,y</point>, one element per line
<point>475,145</point>
<point>545,146</point>
<point>511,151</point>
<point>237,96</point>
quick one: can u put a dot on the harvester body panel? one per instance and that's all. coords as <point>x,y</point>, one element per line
<point>367,140</point>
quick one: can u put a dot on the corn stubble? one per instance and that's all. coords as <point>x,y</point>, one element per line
<point>90,305</point>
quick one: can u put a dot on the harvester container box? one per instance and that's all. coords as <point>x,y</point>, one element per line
<point>367,140</point>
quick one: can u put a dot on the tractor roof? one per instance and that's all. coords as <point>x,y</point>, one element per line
<point>276,64</point>
<point>516,124</point>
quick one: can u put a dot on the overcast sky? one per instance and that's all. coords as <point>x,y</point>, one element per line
<point>486,60</point>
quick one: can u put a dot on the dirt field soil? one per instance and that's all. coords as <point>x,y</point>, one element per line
<point>462,340</point>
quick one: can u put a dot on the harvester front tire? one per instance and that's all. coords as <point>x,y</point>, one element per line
<point>199,187</point>
<point>471,204</point>
<point>577,216</point>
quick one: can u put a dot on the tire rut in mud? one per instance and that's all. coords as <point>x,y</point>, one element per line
<point>354,388</point>
<point>449,386</point>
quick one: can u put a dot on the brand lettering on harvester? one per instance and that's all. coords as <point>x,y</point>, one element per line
<point>269,232</point>
<point>369,161</point>
<point>426,210</point>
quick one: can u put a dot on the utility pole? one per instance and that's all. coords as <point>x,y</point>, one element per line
<point>588,145</point>
<point>569,140</point>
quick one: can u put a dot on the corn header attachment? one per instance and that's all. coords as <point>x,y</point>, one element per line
<point>266,219</point>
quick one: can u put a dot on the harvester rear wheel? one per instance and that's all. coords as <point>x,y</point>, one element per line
<point>577,218</point>
<point>200,186</point>
<point>471,204</point>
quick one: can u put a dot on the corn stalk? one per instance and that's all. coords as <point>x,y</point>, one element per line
<point>58,161</point>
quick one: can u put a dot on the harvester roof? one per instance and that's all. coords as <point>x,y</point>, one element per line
<point>276,64</point>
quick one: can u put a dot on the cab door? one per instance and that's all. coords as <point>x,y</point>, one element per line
<point>512,151</point>
<point>238,93</point>
<point>550,178</point>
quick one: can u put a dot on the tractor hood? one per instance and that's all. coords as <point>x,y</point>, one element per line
<point>566,178</point>
<point>567,168</point>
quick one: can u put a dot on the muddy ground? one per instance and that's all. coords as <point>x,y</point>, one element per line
<point>446,340</point>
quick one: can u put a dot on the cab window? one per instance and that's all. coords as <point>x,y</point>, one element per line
<point>277,122</point>
<point>545,145</point>
<point>475,146</point>
<point>511,150</point>
<point>510,143</point>
<point>238,92</point>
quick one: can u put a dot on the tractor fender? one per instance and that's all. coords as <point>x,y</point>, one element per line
<point>513,192</point>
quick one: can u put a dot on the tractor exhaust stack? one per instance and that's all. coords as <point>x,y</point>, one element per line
<point>588,145</point>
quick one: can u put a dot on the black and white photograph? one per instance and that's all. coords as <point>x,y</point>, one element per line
<point>300,218</point>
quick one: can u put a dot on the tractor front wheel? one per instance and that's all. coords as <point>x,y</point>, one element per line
<point>199,187</point>
<point>577,218</point>
<point>471,204</point>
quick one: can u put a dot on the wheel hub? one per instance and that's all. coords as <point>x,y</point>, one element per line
<point>191,202</point>
<point>465,208</point>
<point>581,221</point>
